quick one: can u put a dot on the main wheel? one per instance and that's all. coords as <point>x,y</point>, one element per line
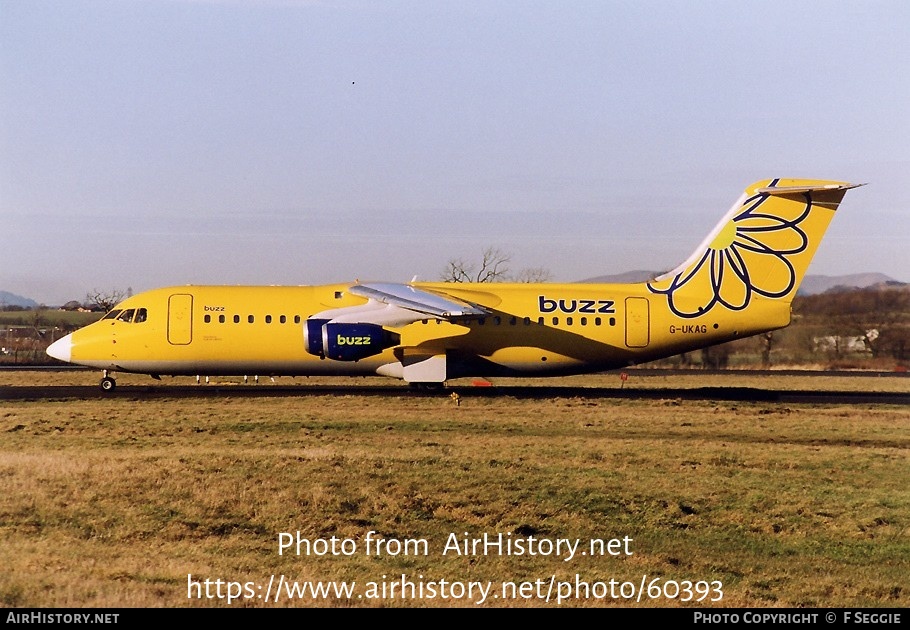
<point>427,387</point>
<point>108,384</point>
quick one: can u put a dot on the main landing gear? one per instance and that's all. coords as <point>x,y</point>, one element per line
<point>427,387</point>
<point>107,383</point>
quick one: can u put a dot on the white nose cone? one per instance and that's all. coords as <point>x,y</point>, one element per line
<point>62,348</point>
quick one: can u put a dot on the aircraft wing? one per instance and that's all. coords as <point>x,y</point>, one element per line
<point>394,304</point>
<point>419,300</point>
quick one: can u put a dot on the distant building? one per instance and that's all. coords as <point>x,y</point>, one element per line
<point>838,344</point>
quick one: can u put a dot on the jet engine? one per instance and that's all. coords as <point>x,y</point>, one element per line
<point>347,341</point>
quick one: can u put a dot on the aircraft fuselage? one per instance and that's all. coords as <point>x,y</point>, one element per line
<point>534,330</point>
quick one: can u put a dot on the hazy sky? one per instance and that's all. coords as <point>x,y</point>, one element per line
<point>149,143</point>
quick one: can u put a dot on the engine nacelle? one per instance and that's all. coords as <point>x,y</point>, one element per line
<point>347,342</point>
<point>312,336</point>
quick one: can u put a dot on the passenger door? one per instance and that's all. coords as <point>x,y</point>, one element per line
<point>180,319</point>
<point>638,322</point>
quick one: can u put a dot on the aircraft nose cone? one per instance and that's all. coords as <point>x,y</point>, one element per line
<point>62,348</point>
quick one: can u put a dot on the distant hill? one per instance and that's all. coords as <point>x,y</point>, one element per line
<point>11,299</point>
<point>811,285</point>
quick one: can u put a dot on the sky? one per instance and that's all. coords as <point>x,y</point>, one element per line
<point>171,142</point>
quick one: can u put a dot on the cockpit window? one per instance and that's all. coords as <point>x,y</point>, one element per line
<point>113,314</point>
<point>127,315</point>
<point>141,316</point>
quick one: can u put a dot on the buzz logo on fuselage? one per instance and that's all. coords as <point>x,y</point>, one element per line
<point>593,307</point>
<point>353,341</point>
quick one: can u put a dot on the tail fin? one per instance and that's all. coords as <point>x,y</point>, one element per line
<point>760,249</point>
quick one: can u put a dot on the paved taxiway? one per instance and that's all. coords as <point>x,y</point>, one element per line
<point>741,394</point>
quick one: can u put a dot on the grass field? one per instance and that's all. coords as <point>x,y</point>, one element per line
<point>117,502</point>
<point>49,317</point>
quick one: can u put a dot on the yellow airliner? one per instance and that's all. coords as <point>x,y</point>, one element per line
<point>740,281</point>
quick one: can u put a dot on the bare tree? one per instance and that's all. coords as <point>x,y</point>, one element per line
<point>887,312</point>
<point>533,274</point>
<point>38,318</point>
<point>879,318</point>
<point>493,267</point>
<point>104,300</point>
<point>766,340</point>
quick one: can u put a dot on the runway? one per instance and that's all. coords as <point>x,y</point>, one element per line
<point>738,394</point>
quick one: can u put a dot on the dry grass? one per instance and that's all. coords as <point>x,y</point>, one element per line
<point>114,502</point>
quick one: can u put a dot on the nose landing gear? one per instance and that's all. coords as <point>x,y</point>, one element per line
<point>107,383</point>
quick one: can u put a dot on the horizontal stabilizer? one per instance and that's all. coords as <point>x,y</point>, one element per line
<point>791,190</point>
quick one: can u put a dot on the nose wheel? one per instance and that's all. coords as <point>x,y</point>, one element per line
<point>107,383</point>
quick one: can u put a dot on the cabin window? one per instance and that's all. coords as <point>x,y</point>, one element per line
<point>207,319</point>
<point>583,321</point>
<point>497,320</point>
<point>540,321</point>
<point>221,319</point>
<point>236,319</point>
<point>127,315</point>
<point>527,321</point>
<point>296,319</point>
<point>283,319</point>
<point>141,315</point>
<point>569,321</point>
<point>113,314</point>
<point>250,319</point>
<point>481,321</point>
<point>556,321</point>
<point>268,319</point>
<point>513,321</point>
<point>597,321</point>
<point>612,321</point>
